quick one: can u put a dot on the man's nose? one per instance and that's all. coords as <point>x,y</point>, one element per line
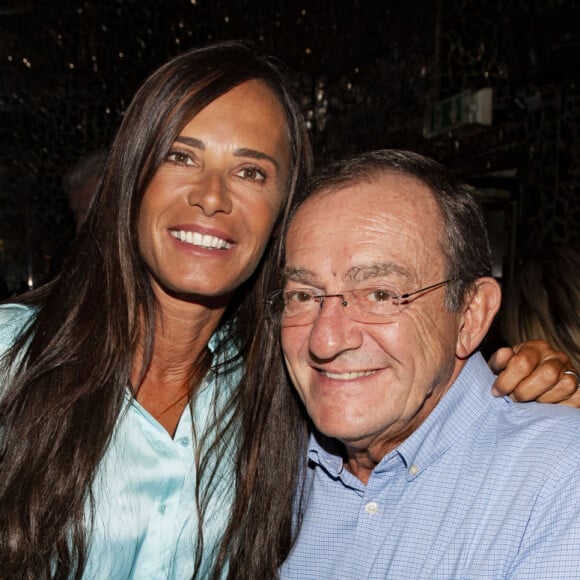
<point>211,194</point>
<point>333,331</point>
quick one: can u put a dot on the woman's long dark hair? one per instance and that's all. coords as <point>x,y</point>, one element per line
<point>74,361</point>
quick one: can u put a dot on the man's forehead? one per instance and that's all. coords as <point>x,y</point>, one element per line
<point>382,227</point>
<point>385,196</point>
<point>380,186</point>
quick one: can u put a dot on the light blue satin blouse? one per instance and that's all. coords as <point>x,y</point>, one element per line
<point>145,524</point>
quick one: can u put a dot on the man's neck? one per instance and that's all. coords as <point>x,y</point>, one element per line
<point>361,457</point>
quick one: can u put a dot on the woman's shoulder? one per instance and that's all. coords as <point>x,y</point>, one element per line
<point>13,319</point>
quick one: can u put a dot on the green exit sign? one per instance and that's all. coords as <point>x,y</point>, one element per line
<point>464,109</point>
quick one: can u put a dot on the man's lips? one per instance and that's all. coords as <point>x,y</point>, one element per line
<point>346,376</point>
<point>201,240</point>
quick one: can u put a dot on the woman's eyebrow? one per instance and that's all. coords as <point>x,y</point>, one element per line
<point>252,153</point>
<point>191,141</point>
<point>242,152</point>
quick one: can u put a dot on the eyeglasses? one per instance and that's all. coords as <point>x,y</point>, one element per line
<point>372,305</point>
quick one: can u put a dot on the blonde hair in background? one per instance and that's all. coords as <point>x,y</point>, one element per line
<point>544,301</point>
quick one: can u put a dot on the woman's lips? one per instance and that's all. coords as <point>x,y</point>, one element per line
<point>201,240</point>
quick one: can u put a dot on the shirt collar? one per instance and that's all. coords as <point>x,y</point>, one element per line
<point>469,395</point>
<point>326,452</point>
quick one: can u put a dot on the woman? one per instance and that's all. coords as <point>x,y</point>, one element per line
<point>126,422</point>
<point>113,371</point>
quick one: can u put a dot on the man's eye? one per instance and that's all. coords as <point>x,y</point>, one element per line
<point>298,297</point>
<point>179,158</point>
<point>252,173</point>
<point>379,295</point>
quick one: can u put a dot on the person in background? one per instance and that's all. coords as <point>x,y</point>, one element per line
<point>544,301</point>
<point>414,469</point>
<point>81,183</point>
<point>137,439</point>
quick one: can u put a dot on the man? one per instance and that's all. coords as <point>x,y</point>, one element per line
<point>415,469</point>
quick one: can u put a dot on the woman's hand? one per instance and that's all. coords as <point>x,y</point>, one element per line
<point>533,370</point>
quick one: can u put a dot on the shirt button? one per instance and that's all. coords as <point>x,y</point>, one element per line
<point>162,508</point>
<point>414,469</point>
<point>372,508</point>
<point>184,441</point>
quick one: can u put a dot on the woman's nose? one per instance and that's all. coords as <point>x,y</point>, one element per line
<point>211,195</point>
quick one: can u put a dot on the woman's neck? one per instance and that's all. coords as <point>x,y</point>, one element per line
<point>181,336</point>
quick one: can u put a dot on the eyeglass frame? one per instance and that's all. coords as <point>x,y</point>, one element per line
<point>321,298</point>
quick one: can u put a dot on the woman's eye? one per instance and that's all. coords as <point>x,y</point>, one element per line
<point>180,158</point>
<point>251,173</point>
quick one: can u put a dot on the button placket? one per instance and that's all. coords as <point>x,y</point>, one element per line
<point>372,508</point>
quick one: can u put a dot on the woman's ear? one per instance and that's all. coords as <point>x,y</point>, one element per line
<point>479,310</point>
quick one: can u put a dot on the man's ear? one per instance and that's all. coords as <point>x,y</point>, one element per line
<point>479,310</point>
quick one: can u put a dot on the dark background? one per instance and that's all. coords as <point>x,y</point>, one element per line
<point>366,73</point>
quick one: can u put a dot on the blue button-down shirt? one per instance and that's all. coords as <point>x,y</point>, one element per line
<point>484,489</point>
<point>145,524</point>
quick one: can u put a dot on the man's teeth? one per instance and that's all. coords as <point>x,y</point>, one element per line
<point>202,240</point>
<point>347,376</point>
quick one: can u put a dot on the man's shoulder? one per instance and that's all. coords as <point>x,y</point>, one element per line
<point>503,419</point>
<point>540,428</point>
<point>530,414</point>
